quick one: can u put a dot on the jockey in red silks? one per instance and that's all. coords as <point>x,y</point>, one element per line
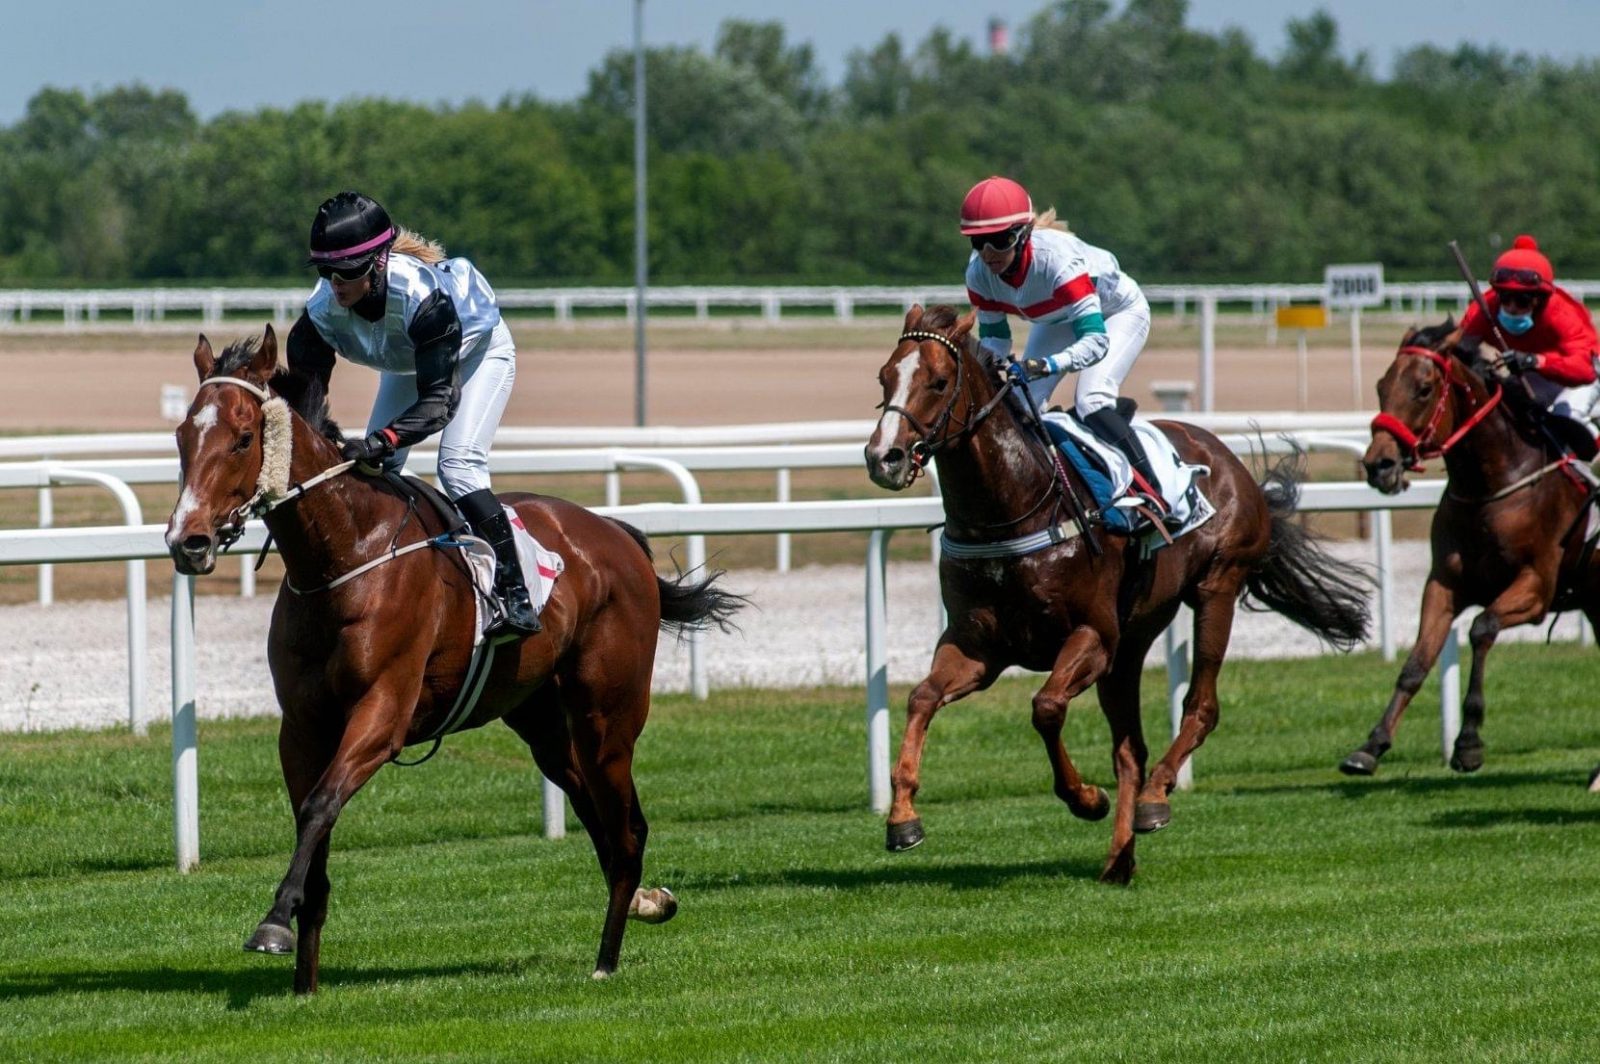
<point>1550,335</point>
<point>1088,317</point>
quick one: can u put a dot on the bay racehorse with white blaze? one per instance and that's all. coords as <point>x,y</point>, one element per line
<point>1510,535</point>
<point>373,631</point>
<point>1085,617</point>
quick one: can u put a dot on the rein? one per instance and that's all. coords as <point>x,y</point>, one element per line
<point>1420,446</point>
<point>930,442</point>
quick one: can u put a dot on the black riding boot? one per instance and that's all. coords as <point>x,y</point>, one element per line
<point>1113,428</point>
<point>489,521</point>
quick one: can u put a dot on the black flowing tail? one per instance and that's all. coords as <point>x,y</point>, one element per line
<point>1298,578</point>
<point>690,605</point>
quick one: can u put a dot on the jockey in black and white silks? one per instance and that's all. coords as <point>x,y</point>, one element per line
<point>431,327</point>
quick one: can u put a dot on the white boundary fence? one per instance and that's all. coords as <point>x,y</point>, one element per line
<point>879,516</point>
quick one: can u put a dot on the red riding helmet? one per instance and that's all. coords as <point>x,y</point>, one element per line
<point>1524,268</point>
<point>994,205</point>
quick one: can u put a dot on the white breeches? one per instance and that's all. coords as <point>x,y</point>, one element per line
<point>486,380</point>
<point>1577,403</point>
<point>1099,384</point>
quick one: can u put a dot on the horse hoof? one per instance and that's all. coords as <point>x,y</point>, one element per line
<point>1360,763</point>
<point>1096,811</point>
<point>655,906</point>
<point>1467,759</point>
<point>904,835</point>
<point>602,974</point>
<point>271,938</point>
<point>1117,873</point>
<point>1151,816</point>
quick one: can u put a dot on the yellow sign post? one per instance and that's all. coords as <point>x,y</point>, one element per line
<point>1303,317</point>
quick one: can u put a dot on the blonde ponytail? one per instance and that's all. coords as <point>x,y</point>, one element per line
<point>418,247</point>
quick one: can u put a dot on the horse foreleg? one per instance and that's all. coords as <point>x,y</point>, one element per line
<point>1213,625</point>
<point>1082,661</point>
<point>1439,609</point>
<point>1525,600</point>
<point>370,739</point>
<point>954,675</point>
<point>1119,700</point>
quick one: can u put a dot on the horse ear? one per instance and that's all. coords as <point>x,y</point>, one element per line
<point>913,316</point>
<point>204,360</point>
<point>964,324</point>
<point>265,364</point>
<point>1410,334</point>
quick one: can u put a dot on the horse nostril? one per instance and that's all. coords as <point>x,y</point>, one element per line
<point>196,544</point>
<point>894,456</point>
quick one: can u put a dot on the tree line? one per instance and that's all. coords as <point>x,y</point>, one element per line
<point>1189,154</point>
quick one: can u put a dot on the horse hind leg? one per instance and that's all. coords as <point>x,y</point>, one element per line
<point>1439,609</point>
<point>542,724</point>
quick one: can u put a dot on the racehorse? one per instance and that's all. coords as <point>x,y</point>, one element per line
<point>1508,534</point>
<point>373,632</point>
<point>1086,612</point>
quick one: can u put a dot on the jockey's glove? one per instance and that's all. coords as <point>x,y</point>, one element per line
<point>1034,368</point>
<point>1520,361</point>
<point>370,451</point>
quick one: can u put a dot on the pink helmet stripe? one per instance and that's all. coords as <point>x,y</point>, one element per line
<point>344,253</point>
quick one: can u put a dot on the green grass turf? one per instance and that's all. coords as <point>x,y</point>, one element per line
<point>1287,914</point>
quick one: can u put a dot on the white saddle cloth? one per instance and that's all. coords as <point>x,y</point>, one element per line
<point>540,567</point>
<point>1190,508</point>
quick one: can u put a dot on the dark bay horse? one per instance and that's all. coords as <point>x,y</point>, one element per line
<point>1085,618</point>
<point>365,666</point>
<point>1508,535</point>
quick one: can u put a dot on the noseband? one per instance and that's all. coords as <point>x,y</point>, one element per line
<point>1419,447</point>
<point>931,439</point>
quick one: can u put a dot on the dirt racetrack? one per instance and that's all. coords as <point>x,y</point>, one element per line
<point>724,373</point>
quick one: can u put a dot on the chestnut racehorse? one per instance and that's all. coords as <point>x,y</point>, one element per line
<point>370,641</point>
<point>1084,616</point>
<point>1509,534</point>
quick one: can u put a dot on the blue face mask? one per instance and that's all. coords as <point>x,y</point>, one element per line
<point>1515,324</point>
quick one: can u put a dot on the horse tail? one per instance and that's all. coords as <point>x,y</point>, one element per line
<point>690,605</point>
<point>1298,577</point>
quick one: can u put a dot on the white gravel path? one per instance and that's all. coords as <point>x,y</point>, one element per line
<point>65,665</point>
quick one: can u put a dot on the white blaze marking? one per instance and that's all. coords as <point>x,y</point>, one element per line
<point>889,424</point>
<point>205,419</point>
<point>187,505</point>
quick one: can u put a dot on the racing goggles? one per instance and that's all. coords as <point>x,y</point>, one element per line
<point>1508,277</point>
<point>1003,241</point>
<point>346,274</point>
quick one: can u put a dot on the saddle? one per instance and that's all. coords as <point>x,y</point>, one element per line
<point>418,490</point>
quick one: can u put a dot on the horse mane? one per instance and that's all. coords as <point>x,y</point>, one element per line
<point>306,393</point>
<point>418,246</point>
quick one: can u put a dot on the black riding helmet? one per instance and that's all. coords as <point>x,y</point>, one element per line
<point>350,230</point>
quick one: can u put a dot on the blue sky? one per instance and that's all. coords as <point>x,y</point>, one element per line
<point>243,54</point>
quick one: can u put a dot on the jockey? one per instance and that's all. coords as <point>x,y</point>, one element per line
<point>390,300</point>
<point>1088,317</point>
<point>1549,333</point>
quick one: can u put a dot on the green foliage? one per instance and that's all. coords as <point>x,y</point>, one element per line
<point>1186,152</point>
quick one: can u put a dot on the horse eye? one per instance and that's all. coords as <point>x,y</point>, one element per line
<point>244,441</point>
<point>940,384</point>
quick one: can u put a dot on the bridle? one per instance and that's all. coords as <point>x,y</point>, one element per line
<point>272,484</point>
<point>931,439</point>
<point>1418,447</point>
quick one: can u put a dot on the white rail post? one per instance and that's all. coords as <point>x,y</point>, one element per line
<point>877,671</point>
<point>785,539</point>
<point>555,809</point>
<point>1178,684</point>
<point>247,576</point>
<point>47,572</point>
<point>1355,358</point>
<point>1450,691</point>
<point>185,754</point>
<point>1383,546</point>
<point>1208,352</point>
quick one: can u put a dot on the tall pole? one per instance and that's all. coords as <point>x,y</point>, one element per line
<point>640,237</point>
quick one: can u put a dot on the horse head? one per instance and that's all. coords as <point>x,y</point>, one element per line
<point>1425,399</point>
<point>932,385</point>
<point>230,448</point>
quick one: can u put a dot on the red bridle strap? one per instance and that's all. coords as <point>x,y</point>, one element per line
<point>1418,443</point>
